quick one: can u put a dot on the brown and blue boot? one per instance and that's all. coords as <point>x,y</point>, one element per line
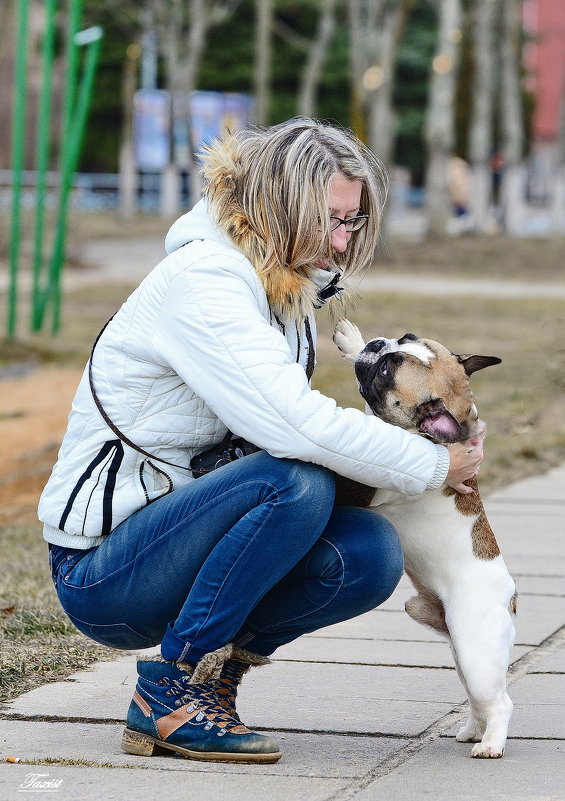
<point>170,712</point>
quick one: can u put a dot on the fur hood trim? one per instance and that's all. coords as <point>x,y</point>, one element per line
<point>291,293</point>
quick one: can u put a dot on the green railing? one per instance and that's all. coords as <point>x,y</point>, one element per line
<point>79,83</point>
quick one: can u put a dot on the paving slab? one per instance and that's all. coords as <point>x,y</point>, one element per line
<point>538,617</point>
<point>351,698</point>
<point>529,533</point>
<point>322,756</point>
<point>354,698</point>
<point>444,771</point>
<point>536,565</point>
<point>80,783</point>
<point>539,707</point>
<point>375,652</point>
<point>529,584</point>
<point>379,625</point>
<point>535,490</point>
<point>553,663</point>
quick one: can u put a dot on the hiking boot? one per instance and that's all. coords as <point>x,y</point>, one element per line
<point>233,670</point>
<point>169,713</point>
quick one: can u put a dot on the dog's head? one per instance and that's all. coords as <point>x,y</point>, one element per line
<point>421,386</point>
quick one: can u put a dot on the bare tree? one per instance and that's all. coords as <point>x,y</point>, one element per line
<point>316,57</point>
<point>357,60</point>
<point>482,109</point>
<point>182,27</point>
<point>262,67</point>
<point>375,30</point>
<point>511,116</point>
<point>440,121</point>
<point>379,81</point>
<point>127,179</point>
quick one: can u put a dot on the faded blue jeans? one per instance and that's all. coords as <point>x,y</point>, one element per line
<point>254,553</point>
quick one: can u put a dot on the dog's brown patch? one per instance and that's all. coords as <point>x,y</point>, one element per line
<point>426,607</point>
<point>466,504</point>
<point>483,540</point>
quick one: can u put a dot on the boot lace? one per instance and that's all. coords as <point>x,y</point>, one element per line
<point>202,697</point>
<point>227,684</point>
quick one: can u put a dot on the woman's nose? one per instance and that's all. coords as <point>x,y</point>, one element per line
<point>340,239</point>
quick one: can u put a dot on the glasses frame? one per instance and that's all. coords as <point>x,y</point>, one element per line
<point>351,223</point>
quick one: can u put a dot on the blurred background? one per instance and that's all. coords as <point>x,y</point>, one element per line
<point>105,104</point>
<point>462,99</point>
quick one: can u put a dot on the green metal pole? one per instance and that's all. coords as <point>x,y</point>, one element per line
<point>18,154</point>
<point>92,37</point>
<point>71,80</point>
<point>42,157</point>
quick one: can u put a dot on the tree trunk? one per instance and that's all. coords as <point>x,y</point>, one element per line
<point>316,57</point>
<point>481,132</point>
<point>128,182</point>
<point>440,122</point>
<point>365,18</point>
<point>379,100</point>
<point>169,20</point>
<point>183,41</point>
<point>262,71</point>
<point>511,117</point>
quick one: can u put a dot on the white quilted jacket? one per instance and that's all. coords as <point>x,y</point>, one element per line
<point>194,351</point>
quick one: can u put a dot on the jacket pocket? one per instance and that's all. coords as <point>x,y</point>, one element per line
<point>155,482</point>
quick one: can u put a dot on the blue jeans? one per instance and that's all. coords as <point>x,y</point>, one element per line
<point>254,553</point>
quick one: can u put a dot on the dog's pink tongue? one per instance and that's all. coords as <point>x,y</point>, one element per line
<point>441,426</point>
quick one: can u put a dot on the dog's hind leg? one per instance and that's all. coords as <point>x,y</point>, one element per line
<point>481,640</point>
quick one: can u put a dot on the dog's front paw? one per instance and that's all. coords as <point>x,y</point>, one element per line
<point>348,339</point>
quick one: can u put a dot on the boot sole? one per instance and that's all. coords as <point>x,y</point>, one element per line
<point>134,742</point>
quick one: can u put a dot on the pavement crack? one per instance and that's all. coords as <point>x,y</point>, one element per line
<point>516,671</point>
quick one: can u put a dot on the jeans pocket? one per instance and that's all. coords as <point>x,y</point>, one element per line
<point>62,559</point>
<point>114,635</point>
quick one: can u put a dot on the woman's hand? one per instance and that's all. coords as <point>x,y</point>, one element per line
<point>465,461</point>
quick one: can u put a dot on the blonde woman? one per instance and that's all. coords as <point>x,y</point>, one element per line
<point>219,338</point>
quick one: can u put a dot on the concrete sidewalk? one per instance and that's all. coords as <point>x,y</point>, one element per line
<point>363,710</point>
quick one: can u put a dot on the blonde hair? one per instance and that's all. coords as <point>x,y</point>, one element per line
<point>268,189</point>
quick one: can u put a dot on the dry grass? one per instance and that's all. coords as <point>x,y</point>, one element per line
<point>37,642</point>
<point>494,257</point>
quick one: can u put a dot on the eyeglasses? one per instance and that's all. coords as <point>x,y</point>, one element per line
<point>351,223</point>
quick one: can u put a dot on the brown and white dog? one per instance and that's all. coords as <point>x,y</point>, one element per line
<point>464,590</point>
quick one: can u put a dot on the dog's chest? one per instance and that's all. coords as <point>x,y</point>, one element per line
<point>436,537</point>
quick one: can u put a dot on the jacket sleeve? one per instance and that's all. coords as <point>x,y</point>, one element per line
<point>212,333</point>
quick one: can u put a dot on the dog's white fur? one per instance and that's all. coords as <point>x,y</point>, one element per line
<point>469,599</point>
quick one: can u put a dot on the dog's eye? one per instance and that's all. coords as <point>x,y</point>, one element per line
<point>383,367</point>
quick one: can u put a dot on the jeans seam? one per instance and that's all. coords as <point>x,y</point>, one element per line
<point>318,608</point>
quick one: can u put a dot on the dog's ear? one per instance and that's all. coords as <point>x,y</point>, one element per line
<point>472,362</point>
